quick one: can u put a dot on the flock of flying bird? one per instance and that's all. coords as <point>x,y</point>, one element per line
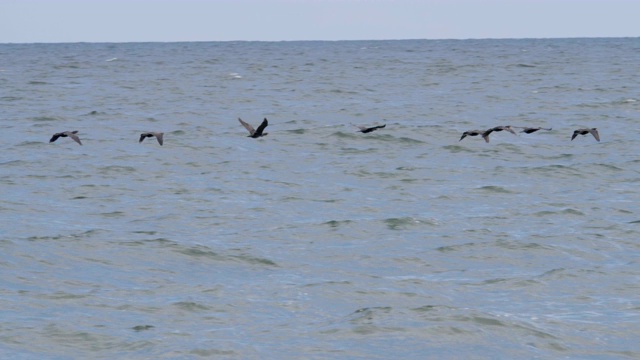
<point>259,132</point>
<point>527,130</point>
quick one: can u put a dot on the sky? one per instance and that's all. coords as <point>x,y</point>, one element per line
<point>34,21</point>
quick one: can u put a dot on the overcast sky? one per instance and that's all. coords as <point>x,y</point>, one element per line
<point>27,21</point>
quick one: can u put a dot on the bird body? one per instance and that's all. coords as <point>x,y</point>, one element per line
<point>592,131</point>
<point>508,128</point>
<point>499,128</point>
<point>474,133</point>
<point>529,130</point>
<point>157,135</point>
<point>255,133</point>
<point>71,134</point>
<point>364,129</point>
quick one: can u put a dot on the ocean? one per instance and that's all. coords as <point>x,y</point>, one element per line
<point>318,241</point>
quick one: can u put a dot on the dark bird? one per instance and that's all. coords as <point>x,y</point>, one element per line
<point>255,133</point>
<point>592,131</point>
<point>508,128</point>
<point>364,129</point>
<point>474,133</point>
<point>500,128</point>
<point>157,135</point>
<point>71,134</point>
<point>528,130</point>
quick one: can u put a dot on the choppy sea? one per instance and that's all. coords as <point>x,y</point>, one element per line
<point>317,241</point>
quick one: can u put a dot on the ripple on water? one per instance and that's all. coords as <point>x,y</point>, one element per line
<point>554,169</point>
<point>495,189</point>
<point>458,148</point>
<point>408,221</point>
<point>116,169</point>
<point>204,252</point>
<point>338,223</point>
<point>554,213</point>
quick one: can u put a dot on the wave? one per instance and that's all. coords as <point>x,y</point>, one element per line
<point>47,118</point>
<point>407,221</point>
<point>337,223</point>
<point>458,148</point>
<point>495,189</point>
<point>117,169</point>
<point>567,211</point>
<point>296,131</point>
<point>200,251</point>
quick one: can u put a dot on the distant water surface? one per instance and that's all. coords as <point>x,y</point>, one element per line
<point>317,241</point>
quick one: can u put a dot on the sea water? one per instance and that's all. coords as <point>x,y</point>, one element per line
<point>318,241</point>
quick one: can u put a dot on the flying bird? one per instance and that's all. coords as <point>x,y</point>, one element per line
<point>157,135</point>
<point>71,134</point>
<point>474,133</point>
<point>255,133</point>
<point>592,131</point>
<point>500,128</point>
<point>508,128</point>
<point>528,130</point>
<point>364,129</point>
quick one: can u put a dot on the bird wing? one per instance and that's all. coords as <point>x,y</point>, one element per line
<point>247,126</point>
<point>509,129</point>
<point>595,134</point>
<point>142,136</point>
<point>464,135</point>
<point>159,138</point>
<point>72,134</point>
<point>485,135</point>
<point>54,137</point>
<point>262,126</point>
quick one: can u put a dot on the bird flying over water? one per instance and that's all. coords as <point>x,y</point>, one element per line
<point>508,128</point>
<point>592,131</point>
<point>157,135</point>
<point>364,129</point>
<point>529,130</point>
<point>71,134</point>
<point>500,128</point>
<point>255,133</point>
<point>474,133</point>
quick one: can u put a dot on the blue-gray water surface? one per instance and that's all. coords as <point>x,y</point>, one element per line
<point>317,241</point>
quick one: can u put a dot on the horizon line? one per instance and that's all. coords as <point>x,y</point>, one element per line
<point>319,40</point>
